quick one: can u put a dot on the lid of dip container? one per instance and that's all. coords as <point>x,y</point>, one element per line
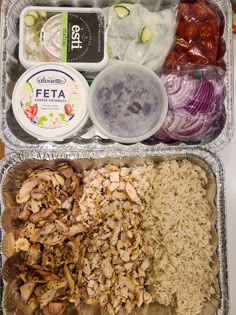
<point>76,36</point>
<point>128,102</point>
<point>50,102</point>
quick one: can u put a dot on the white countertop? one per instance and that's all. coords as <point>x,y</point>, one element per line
<point>228,156</point>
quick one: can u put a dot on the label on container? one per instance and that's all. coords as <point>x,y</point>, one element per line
<point>74,37</point>
<point>82,39</point>
<point>50,102</point>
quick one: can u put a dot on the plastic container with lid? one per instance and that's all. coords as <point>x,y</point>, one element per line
<point>76,36</point>
<point>128,102</point>
<point>50,102</point>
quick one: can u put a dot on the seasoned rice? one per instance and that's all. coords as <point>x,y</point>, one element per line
<point>178,225</point>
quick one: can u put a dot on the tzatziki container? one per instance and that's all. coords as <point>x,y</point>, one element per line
<point>50,102</point>
<point>76,36</point>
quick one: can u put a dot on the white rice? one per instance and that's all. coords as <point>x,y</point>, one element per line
<point>178,225</point>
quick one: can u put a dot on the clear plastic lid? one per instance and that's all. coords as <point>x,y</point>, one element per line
<point>50,102</point>
<point>128,102</point>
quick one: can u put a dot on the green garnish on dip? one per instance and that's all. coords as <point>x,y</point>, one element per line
<point>43,14</point>
<point>122,11</point>
<point>29,20</point>
<point>34,14</point>
<point>146,35</point>
<point>35,18</point>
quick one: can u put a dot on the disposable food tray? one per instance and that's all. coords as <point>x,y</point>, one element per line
<point>17,139</point>
<point>15,167</point>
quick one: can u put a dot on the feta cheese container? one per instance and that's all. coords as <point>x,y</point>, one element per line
<point>76,36</point>
<point>50,102</point>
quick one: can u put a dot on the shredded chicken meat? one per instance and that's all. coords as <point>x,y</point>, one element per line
<point>82,239</point>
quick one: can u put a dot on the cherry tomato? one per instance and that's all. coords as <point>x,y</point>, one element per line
<point>191,32</point>
<point>215,24</point>
<point>28,114</point>
<point>220,17</point>
<point>196,56</point>
<point>30,109</point>
<point>172,59</point>
<point>183,58</point>
<point>180,29</point>
<point>206,31</point>
<point>221,48</point>
<point>202,11</point>
<point>68,109</point>
<point>234,28</point>
<point>184,11</point>
<point>209,49</point>
<point>181,45</point>
<point>33,109</point>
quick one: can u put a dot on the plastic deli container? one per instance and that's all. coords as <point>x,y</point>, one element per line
<point>128,102</point>
<point>50,103</point>
<point>75,36</point>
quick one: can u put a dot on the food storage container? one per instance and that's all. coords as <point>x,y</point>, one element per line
<point>89,148</point>
<point>15,168</point>
<point>127,102</point>
<point>11,69</point>
<point>76,36</point>
<point>50,102</point>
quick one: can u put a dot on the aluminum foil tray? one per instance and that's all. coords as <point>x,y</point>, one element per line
<point>14,166</point>
<point>17,139</point>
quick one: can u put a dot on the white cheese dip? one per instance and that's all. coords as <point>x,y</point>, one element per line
<point>51,37</point>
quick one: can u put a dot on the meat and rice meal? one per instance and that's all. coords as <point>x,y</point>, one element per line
<point>118,237</point>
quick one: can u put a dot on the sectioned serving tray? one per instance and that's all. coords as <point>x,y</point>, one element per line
<point>17,139</point>
<point>15,167</point>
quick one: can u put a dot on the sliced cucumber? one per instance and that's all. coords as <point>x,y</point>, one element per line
<point>146,35</point>
<point>121,11</point>
<point>34,14</point>
<point>43,14</point>
<point>29,20</point>
<point>27,87</point>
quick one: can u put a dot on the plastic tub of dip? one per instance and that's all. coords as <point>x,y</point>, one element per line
<point>76,36</point>
<point>50,102</point>
<point>127,102</point>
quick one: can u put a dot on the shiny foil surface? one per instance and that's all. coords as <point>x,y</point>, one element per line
<point>15,167</point>
<point>17,139</point>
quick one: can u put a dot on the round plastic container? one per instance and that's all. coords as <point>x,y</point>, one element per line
<point>128,103</point>
<point>50,102</point>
